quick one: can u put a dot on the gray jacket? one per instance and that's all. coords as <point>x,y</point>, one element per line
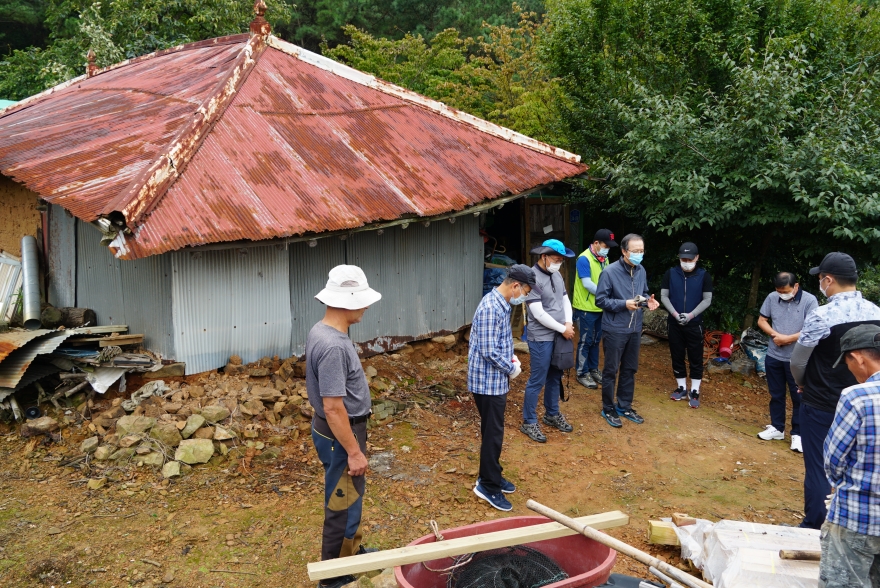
<point>618,283</point>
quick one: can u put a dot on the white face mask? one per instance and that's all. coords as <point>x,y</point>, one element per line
<point>823,290</point>
<point>688,266</point>
<point>519,299</point>
<point>554,267</point>
<point>786,297</point>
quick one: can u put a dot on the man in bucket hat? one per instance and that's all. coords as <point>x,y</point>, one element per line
<point>340,396</point>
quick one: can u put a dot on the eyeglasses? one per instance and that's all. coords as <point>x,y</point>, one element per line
<point>639,251</point>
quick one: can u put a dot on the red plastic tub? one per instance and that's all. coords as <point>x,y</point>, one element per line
<point>586,562</point>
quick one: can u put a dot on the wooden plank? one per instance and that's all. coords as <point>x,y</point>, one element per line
<point>121,340</point>
<point>662,533</point>
<point>682,520</point>
<point>100,330</point>
<point>356,564</point>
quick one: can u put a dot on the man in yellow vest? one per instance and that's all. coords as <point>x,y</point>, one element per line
<point>588,316</point>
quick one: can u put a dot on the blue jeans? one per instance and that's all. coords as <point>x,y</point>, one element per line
<point>589,326</point>
<point>541,375</point>
<point>778,375</point>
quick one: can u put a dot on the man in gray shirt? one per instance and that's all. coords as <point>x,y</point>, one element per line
<point>782,316</point>
<point>339,394</point>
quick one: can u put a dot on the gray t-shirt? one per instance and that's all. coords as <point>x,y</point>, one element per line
<point>334,369</point>
<point>787,318</point>
<point>549,291</point>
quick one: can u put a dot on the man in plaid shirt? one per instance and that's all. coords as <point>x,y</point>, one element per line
<point>491,366</point>
<point>851,536</point>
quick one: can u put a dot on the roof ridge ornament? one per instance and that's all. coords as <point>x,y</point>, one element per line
<point>91,65</point>
<point>260,26</point>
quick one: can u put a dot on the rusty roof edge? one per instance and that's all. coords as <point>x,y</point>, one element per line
<point>375,83</point>
<point>30,100</point>
<point>125,254</point>
<point>145,192</point>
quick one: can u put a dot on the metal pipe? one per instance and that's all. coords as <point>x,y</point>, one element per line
<point>30,280</point>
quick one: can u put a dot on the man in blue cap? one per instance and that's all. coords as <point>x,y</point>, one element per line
<point>549,313</point>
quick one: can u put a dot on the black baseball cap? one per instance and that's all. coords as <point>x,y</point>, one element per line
<point>688,250</point>
<point>837,264</point>
<point>860,337</point>
<point>605,236</point>
<point>522,274</point>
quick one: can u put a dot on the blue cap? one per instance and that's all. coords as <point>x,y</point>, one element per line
<point>553,247</point>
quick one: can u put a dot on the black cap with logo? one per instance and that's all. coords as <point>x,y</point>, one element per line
<point>688,251</point>
<point>860,337</point>
<point>837,264</point>
<point>605,236</point>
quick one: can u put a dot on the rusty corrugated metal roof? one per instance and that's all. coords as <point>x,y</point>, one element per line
<point>252,138</point>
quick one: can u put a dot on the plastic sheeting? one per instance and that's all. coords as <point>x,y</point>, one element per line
<point>755,346</point>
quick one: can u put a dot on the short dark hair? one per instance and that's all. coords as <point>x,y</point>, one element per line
<point>784,279</point>
<point>870,352</point>
<point>624,243</point>
<point>846,281</point>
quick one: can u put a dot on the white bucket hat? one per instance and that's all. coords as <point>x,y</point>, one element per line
<point>347,288</point>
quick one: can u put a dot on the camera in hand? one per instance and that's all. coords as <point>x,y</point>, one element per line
<point>642,301</point>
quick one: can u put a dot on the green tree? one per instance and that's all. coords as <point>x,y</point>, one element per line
<point>21,23</point>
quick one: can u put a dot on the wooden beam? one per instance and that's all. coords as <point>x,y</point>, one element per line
<point>356,564</point>
<point>662,533</point>
<point>121,340</point>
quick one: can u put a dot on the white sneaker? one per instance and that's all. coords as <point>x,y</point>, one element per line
<point>796,444</point>
<point>771,433</point>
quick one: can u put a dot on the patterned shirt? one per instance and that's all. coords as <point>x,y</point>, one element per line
<point>852,459</point>
<point>490,357</point>
<point>844,307</point>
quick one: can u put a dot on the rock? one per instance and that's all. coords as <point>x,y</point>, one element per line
<point>289,409</point>
<point>153,458</point>
<point>221,434</point>
<point>370,371</point>
<point>171,469</point>
<point>134,424</point>
<point>181,425</point>
<point>103,453</point>
<point>521,347</point>
<point>196,391</point>
<point>307,411</point>
<point>214,414</point>
<point>281,385</point>
<point>96,483</point>
<point>234,359</point>
<point>252,407</point>
<point>168,577</point>
<point>406,350</point>
<point>53,531</point>
<point>89,445</point>
<point>278,407</point>
<point>122,454</point>
<point>378,385</point>
<point>172,370</point>
<point>259,372</point>
<point>265,394</point>
<point>192,451</point>
<point>143,449</point>
<point>234,370</point>
<point>172,407</point>
<point>448,341</point>
<point>385,580</point>
<point>745,367</point>
<point>193,423</point>
<point>167,434</point>
<point>649,340</point>
<point>269,454</point>
<point>114,412</point>
<point>204,433</point>
<point>39,426</point>
<point>129,440</point>
<point>285,372</point>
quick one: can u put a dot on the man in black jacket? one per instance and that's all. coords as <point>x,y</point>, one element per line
<point>686,291</point>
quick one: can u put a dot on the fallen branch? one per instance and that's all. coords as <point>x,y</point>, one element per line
<point>234,572</point>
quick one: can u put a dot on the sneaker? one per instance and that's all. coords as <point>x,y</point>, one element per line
<point>796,444</point>
<point>557,422</point>
<point>506,486</point>
<point>612,419</point>
<point>496,500</point>
<point>337,582</point>
<point>678,394</point>
<point>533,431</point>
<point>771,433</point>
<point>587,381</point>
<point>596,375</point>
<point>694,401</point>
<point>630,414</point>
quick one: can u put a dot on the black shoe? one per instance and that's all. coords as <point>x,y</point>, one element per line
<point>630,414</point>
<point>362,550</point>
<point>612,419</point>
<point>558,422</point>
<point>533,431</point>
<point>596,375</point>
<point>337,582</point>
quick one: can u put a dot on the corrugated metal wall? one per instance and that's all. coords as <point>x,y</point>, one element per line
<point>230,302</point>
<point>309,267</point>
<point>133,293</point>
<point>62,257</point>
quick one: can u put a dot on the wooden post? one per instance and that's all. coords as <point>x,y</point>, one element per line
<point>619,546</point>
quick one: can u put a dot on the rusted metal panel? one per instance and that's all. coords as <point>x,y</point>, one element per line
<point>62,257</point>
<point>16,363</point>
<point>13,340</point>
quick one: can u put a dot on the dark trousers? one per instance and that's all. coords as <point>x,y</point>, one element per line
<point>589,326</point>
<point>814,428</point>
<point>621,365</point>
<point>491,409</point>
<point>343,494</point>
<point>778,375</point>
<point>541,375</point>
<point>686,340</point>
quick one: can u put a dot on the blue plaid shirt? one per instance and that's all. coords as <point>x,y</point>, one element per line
<point>852,459</point>
<point>491,347</point>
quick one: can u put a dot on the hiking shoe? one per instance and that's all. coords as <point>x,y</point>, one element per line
<point>630,414</point>
<point>496,500</point>
<point>337,582</point>
<point>596,375</point>
<point>796,444</point>
<point>678,394</point>
<point>694,401</point>
<point>362,550</point>
<point>612,419</point>
<point>771,433</point>
<point>587,381</point>
<point>506,486</point>
<point>558,422</point>
<point>533,431</point>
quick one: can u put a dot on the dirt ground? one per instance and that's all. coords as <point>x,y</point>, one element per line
<point>257,522</point>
